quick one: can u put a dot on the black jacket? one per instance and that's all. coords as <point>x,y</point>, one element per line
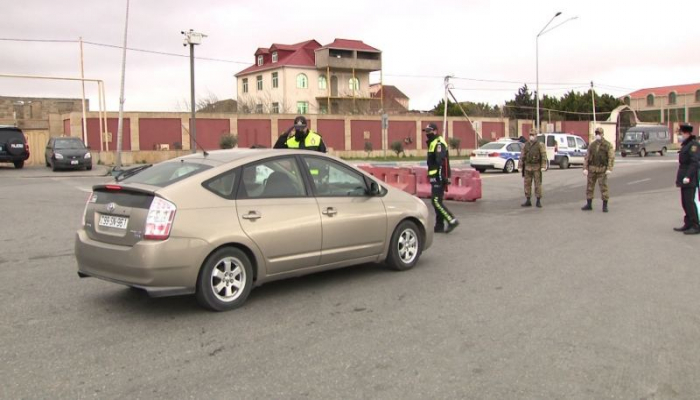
<point>688,159</point>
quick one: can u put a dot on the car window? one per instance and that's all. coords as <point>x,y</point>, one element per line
<point>279,177</point>
<point>515,147</point>
<point>581,143</point>
<point>223,184</point>
<point>68,144</point>
<point>167,173</point>
<point>551,141</point>
<point>491,146</point>
<point>333,179</point>
<point>570,142</point>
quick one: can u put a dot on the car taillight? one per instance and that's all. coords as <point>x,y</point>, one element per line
<point>473,155</point>
<point>494,155</point>
<point>87,204</point>
<point>113,187</point>
<point>160,219</point>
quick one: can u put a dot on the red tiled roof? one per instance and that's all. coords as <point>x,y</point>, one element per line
<point>390,91</point>
<point>665,90</point>
<point>297,55</point>
<point>347,44</point>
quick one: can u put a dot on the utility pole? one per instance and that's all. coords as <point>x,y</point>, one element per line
<point>82,77</point>
<point>120,125</point>
<point>444,120</point>
<point>192,38</point>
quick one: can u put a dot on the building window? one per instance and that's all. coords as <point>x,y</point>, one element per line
<point>258,108</point>
<point>259,82</point>
<point>275,80</point>
<point>354,84</point>
<point>672,97</point>
<point>274,57</point>
<point>322,82</point>
<point>302,81</point>
<point>650,100</point>
<point>323,108</point>
<point>302,107</point>
<point>275,108</point>
<point>245,85</point>
<point>260,60</point>
<point>697,96</point>
<point>626,100</point>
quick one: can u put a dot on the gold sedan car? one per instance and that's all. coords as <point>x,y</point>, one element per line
<point>219,223</point>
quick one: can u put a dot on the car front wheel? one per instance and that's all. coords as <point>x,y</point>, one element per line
<point>225,280</point>
<point>405,247</point>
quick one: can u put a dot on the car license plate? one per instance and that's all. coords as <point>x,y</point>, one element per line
<point>74,162</point>
<point>109,221</point>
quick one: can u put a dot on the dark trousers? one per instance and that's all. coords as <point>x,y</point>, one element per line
<point>688,199</point>
<point>442,214</point>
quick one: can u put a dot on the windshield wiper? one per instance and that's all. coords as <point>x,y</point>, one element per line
<point>130,172</point>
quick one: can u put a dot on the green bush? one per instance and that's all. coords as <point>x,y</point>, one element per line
<point>228,141</point>
<point>455,144</point>
<point>368,147</point>
<point>397,147</point>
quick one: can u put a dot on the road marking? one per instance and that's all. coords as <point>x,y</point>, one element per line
<point>639,181</point>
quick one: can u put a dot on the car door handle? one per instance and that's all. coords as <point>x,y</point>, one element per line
<point>253,215</point>
<point>330,211</point>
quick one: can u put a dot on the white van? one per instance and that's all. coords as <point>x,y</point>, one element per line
<point>564,149</point>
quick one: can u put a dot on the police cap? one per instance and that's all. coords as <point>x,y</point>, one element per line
<point>300,121</point>
<point>430,128</point>
<point>686,127</point>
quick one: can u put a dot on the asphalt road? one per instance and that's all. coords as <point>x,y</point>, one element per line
<point>516,303</point>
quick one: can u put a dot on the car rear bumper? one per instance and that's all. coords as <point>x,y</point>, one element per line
<point>162,268</point>
<point>67,163</point>
<point>11,158</point>
<point>487,163</point>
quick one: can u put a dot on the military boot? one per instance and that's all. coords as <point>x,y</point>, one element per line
<point>539,203</point>
<point>605,206</point>
<point>683,228</point>
<point>527,203</point>
<point>694,230</point>
<point>588,206</point>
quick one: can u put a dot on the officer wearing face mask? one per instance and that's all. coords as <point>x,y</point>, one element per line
<point>597,165</point>
<point>300,136</point>
<point>439,176</point>
<point>533,161</point>
<point>687,180</point>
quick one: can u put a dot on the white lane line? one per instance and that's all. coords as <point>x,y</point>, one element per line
<point>639,181</point>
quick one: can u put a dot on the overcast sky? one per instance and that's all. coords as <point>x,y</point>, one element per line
<point>624,45</point>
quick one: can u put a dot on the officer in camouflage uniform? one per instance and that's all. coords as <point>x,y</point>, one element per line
<point>597,165</point>
<point>533,161</point>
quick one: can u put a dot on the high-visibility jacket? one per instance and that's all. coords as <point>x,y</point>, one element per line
<point>312,141</point>
<point>438,158</point>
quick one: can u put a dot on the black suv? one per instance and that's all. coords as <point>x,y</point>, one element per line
<point>13,146</point>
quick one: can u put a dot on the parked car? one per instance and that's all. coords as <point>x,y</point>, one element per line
<point>564,149</point>
<point>501,155</point>
<point>67,153</point>
<point>219,223</point>
<point>13,146</point>
<point>643,140</point>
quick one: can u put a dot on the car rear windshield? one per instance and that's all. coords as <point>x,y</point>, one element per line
<point>65,144</point>
<point>492,146</point>
<point>165,174</point>
<point>7,134</point>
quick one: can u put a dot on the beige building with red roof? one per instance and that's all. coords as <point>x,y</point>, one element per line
<point>666,104</point>
<point>308,78</point>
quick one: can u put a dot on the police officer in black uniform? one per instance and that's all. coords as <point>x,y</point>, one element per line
<point>687,180</point>
<point>300,137</point>
<point>439,176</point>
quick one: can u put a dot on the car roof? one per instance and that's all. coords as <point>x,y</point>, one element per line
<point>219,157</point>
<point>647,128</point>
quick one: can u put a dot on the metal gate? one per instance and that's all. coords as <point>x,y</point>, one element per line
<point>37,140</point>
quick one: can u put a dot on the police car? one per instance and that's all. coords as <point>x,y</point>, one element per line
<point>502,154</point>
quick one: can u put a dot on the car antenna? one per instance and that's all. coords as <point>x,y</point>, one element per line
<point>204,152</point>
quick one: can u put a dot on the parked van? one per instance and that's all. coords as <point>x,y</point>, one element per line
<point>564,149</point>
<point>643,140</point>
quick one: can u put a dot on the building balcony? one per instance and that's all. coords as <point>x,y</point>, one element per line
<point>348,60</point>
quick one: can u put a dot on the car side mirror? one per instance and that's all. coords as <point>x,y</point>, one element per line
<point>374,189</point>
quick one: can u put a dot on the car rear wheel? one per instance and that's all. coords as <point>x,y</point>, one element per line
<point>481,170</point>
<point>623,155</point>
<point>510,167</point>
<point>564,163</point>
<point>405,247</point>
<point>663,152</point>
<point>225,280</point>
<point>19,164</point>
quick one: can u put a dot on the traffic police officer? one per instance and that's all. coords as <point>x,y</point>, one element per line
<point>439,175</point>
<point>597,165</point>
<point>533,161</point>
<point>300,137</point>
<point>687,180</point>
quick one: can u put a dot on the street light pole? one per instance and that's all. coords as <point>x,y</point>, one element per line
<point>192,38</point>
<point>537,71</point>
<point>120,124</point>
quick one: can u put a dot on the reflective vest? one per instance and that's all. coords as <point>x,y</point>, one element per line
<point>433,168</point>
<point>311,142</point>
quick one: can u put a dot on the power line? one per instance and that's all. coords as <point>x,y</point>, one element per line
<point>510,89</point>
<point>557,111</point>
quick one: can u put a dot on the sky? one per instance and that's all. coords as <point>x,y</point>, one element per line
<point>620,45</point>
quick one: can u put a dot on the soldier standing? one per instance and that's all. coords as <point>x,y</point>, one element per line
<point>533,161</point>
<point>687,180</point>
<point>597,165</point>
